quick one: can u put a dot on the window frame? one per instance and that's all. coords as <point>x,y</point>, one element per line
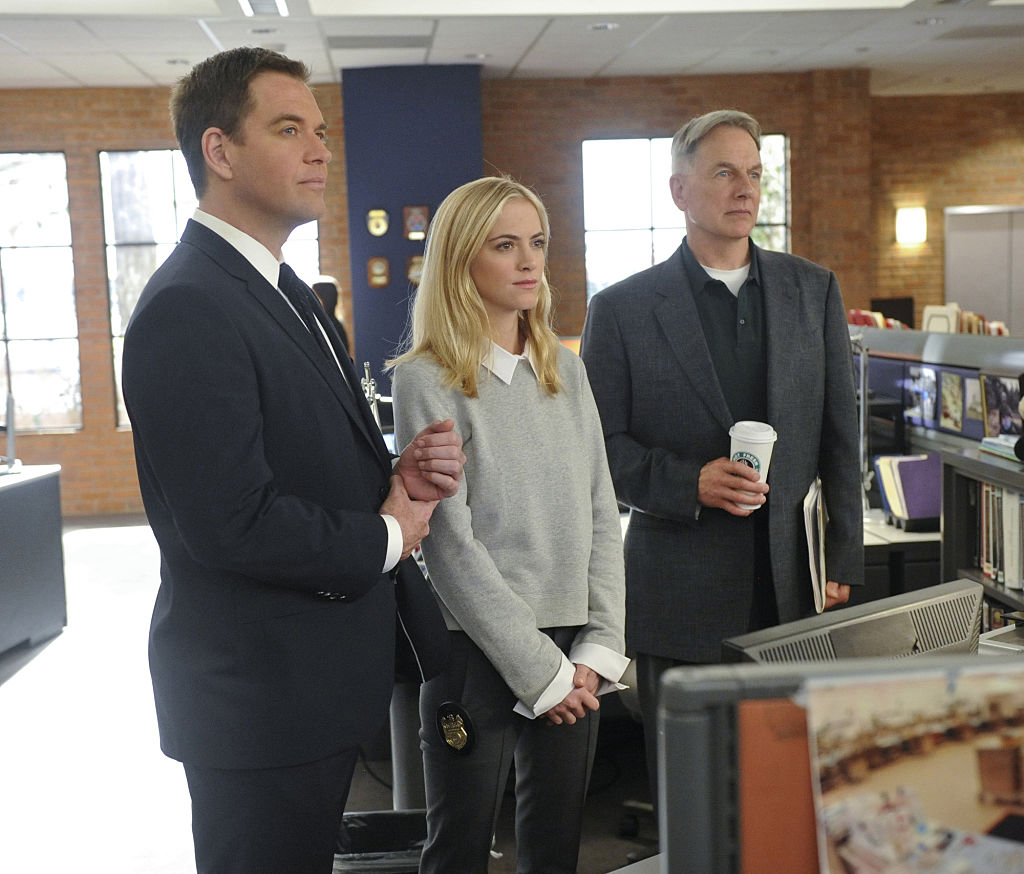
<point>173,211</point>
<point>14,245</point>
<point>658,233</point>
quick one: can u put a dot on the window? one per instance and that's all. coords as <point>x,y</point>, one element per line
<point>38,322</point>
<point>147,200</point>
<point>630,221</point>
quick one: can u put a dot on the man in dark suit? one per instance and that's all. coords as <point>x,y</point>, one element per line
<point>722,331</point>
<point>269,489</point>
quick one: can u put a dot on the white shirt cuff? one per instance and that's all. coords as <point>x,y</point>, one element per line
<point>556,691</point>
<point>607,663</point>
<point>394,552</point>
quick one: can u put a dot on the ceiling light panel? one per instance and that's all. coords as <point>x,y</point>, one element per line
<point>504,40</point>
<point>131,35</point>
<point>345,58</point>
<point>40,35</point>
<point>373,26</point>
<point>104,71</point>
<point>568,47</point>
<point>18,71</point>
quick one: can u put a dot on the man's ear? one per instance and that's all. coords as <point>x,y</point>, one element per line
<point>216,152</point>
<point>677,185</point>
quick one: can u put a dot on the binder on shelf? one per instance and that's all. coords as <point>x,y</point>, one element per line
<point>920,478</point>
<point>911,489</point>
<point>886,478</point>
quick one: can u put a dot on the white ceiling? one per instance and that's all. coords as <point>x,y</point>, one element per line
<point>918,47</point>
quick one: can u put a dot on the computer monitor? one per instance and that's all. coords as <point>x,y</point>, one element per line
<point>738,778</point>
<point>939,619</point>
<point>8,460</point>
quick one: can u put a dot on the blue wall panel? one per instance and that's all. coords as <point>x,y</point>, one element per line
<point>412,134</point>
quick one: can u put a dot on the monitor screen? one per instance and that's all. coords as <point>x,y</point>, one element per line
<point>7,448</point>
<point>939,619</point>
<point>842,766</point>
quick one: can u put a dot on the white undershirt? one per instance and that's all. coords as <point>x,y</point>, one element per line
<point>733,279</point>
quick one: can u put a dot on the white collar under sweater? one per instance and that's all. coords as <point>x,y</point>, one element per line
<point>502,363</point>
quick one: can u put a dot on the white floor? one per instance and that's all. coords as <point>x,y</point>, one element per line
<point>84,787</point>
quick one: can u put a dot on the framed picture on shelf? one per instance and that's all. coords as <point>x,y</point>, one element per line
<point>1000,396</point>
<point>922,402</point>
<point>973,407</point>
<point>952,401</point>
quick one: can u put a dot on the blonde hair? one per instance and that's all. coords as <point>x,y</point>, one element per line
<point>449,322</point>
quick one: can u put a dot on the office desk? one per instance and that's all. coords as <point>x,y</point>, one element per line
<point>32,602</point>
<point>897,561</point>
<point>650,865</point>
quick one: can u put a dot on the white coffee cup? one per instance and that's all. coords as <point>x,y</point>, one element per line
<point>752,444</point>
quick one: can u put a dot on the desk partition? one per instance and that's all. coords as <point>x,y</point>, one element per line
<point>32,599</point>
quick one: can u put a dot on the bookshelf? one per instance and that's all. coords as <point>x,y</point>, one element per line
<point>935,376</point>
<point>964,473</point>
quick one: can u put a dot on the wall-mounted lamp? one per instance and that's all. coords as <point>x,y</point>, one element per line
<point>911,225</point>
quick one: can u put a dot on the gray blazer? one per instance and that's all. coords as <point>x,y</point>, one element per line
<point>689,570</point>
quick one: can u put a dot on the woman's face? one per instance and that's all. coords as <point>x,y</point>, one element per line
<point>508,269</point>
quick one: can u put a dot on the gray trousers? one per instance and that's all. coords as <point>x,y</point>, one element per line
<point>464,792</point>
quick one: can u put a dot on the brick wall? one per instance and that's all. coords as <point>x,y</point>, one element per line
<point>854,159</point>
<point>533,130</point>
<point>98,462</point>
<point>938,152</point>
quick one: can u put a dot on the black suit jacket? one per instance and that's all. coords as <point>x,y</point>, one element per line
<point>261,474</point>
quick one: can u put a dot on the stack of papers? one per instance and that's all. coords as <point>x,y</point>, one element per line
<point>815,520</point>
<point>1001,445</point>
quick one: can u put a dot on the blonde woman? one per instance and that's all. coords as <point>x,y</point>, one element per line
<point>526,560</point>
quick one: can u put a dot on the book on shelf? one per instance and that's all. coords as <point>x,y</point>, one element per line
<point>985,553</point>
<point>1001,551</point>
<point>1013,570</point>
<point>998,559</point>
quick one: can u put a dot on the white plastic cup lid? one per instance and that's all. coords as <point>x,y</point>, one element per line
<point>753,432</point>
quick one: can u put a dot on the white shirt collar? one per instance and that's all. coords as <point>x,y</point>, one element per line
<point>502,363</point>
<point>258,255</point>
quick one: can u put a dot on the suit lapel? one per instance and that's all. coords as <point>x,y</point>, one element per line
<point>780,293</point>
<point>677,314</point>
<point>277,308</point>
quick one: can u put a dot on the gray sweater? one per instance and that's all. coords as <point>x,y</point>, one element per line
<point>533,538</point>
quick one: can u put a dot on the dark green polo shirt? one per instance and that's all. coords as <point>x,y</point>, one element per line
<point>734,328</point>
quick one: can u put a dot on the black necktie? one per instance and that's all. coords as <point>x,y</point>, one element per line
<point>300,297</point>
